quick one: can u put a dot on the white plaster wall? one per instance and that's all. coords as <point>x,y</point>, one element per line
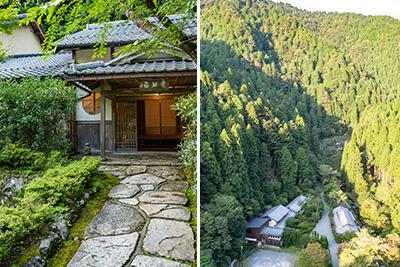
<point>85,56</point>
<point>22,41</point>
<point>82,115</point>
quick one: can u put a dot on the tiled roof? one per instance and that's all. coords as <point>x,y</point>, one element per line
<point>296,204</point>
<point>189,25</point>
<point>273,231</point>
<point>276,213</point>
<point>119,33</point>
<point>256,222</point>
<point>100,67</point>
<point>34,65</point>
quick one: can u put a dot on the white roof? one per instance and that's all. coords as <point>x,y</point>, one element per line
<point>276,213</point>
<point>296,204</point>
<point>344,220</point>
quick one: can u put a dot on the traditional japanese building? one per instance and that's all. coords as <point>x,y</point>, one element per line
<point>254,228</point>
<point>124,100</point>
<point>269,227</point>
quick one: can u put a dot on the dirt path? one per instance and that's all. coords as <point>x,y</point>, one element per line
<point>145,222</point>
<point>323,227</point>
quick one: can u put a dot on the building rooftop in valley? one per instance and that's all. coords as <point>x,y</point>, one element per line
<point>257,222</point>
<point>296,204</point>
<point>276,213</point>
<point>344,220</point>
<point>37,65</point>
<point>121,32</point>
<point>272,231</point>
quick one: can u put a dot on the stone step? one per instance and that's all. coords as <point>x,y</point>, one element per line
<point>141,163</point>
<point>105,251</point>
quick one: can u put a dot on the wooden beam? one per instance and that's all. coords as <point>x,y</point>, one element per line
<point>103,125</point>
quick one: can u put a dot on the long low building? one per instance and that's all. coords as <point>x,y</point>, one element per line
<point>268,228</point>
<point>344,220</point>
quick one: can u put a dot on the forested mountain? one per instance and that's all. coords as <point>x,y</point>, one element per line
<point>275,82</point>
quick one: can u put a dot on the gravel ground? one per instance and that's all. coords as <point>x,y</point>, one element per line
<point>270,258</point>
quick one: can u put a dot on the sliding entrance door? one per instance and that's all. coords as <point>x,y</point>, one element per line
<point>159,127</point>
<point>125,126</point>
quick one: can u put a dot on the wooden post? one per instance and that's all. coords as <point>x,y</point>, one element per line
<point>103,125</point>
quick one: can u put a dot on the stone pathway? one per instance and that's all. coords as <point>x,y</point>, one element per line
<point>146,222</point>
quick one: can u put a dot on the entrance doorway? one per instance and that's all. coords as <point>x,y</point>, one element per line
<point>158,126</point>
<point>125,126</point>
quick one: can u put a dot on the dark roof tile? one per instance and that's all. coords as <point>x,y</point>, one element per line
<point>134,67</point>
<point>34,65</point>
<point>120,32</point>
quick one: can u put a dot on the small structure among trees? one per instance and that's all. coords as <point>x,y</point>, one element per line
<point>344,220</point>
<point>268,228</point>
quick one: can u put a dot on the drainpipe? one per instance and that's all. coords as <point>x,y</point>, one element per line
<point>84,88</point>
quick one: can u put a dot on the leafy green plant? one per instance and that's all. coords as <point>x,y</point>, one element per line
<point>14,156</point>
<point>34,112</point>
<point>186,108</point>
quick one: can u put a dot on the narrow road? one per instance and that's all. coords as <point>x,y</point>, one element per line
<point>323,227</point>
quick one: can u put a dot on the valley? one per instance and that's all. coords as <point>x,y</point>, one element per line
<point>296,102</point>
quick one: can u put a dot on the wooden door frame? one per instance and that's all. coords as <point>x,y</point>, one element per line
<point>130,98</point>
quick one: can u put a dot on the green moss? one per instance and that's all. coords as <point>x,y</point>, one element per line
<point>31,251</point>
<point>102,184</point>
<point>192,205</point>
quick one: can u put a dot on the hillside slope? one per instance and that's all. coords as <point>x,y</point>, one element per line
<point>276,81</point>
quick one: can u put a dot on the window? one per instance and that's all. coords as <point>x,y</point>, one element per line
<point>91,103</point>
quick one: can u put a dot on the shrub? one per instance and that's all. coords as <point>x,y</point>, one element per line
<point>345,237</point>
<point>33,111</point>
<point>42,200</point>
<point>14,156</point>
<point>314,255</point>
<point>186,108</point>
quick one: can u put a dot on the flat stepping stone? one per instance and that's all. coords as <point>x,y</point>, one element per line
<point>118,174</point>
<point>172,239</point>
<point>124,191</point>
<point>103,168</point>
<point>129,201</point>
<point>168,172</point>
<point>179,213</point>
<point>132,170</point>
<point>145,178</point>
<point>147,261</point>
<point>105,251</point>
<point>147,187</point>
<point>115,219</point>
<point>163,197</point>
<point>174,186</point>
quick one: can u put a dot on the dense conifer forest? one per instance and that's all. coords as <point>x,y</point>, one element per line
<point>276,82</point>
